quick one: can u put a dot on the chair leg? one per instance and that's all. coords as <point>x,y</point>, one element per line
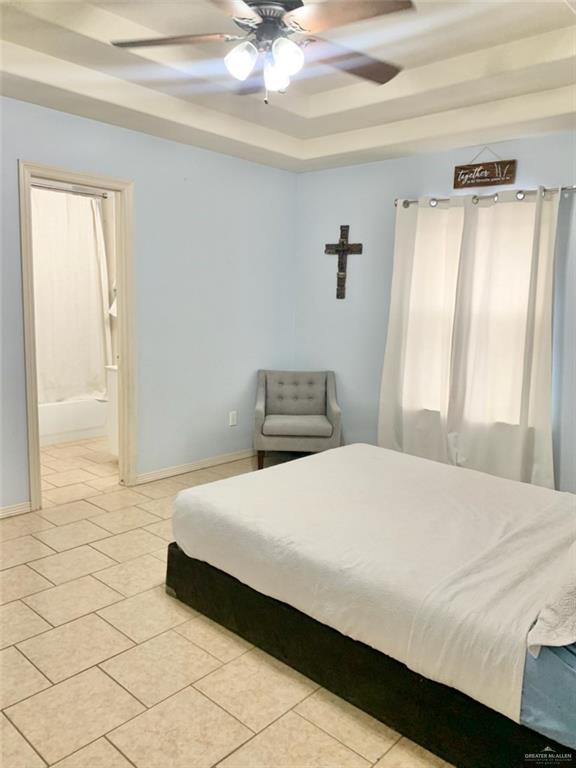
<point>260,459</point>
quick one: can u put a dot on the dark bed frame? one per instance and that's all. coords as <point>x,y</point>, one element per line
<point>441,719</point>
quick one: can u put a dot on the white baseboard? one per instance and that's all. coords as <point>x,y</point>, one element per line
<point>15,509</point>
<point>162,474</point>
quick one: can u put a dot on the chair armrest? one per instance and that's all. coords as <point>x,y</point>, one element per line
<point>333,412</point>
<point>260,409</point>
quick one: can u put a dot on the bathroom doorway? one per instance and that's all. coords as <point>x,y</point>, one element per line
<point>76,256</point>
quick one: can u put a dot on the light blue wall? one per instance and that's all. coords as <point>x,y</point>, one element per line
<point>231,276</point>
<point>349,336</point>
<point>214,275</point>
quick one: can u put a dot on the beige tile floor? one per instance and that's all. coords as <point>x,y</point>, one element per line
<point>101,669</point>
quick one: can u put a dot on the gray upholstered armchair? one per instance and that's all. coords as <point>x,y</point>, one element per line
<point>296,411</point>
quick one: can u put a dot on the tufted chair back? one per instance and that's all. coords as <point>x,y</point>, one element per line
<point>296,393</point>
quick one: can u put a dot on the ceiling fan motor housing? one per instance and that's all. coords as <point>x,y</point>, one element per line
<point>272,25</point>
<point>265,7</point>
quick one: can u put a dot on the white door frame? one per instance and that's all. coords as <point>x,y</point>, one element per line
<point>127,426</point>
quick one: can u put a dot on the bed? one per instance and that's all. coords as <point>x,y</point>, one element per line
<point>344,565</point>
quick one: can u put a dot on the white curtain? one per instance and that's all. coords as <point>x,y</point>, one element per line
<point>70,296</point>
<point>467,369</point>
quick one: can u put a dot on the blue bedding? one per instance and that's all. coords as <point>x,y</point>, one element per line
<point>549,694</point>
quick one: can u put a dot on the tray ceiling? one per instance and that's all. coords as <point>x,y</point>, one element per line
<point>473,72</point>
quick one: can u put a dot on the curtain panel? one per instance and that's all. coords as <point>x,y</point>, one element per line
<point>70,296</point>
<point>467,374</point>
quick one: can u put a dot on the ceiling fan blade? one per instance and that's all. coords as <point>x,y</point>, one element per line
<point>214,37</point>
<point>317,17</point>
<point>354,62</point>
<point>238,9</point>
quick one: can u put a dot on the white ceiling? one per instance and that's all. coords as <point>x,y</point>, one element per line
<point>474,71</point>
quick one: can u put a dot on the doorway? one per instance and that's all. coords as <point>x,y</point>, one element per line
<point>77,292</point>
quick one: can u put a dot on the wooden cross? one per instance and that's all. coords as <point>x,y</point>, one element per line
<point>342,248</point>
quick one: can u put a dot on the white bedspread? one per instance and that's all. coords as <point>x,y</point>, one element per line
<point>444,569</point>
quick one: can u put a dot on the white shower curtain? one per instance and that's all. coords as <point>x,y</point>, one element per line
<point>467,369</point>
<point>70,296</point>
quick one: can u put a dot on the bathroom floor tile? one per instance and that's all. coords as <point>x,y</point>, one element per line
<point>57,464</point>
<point>72,535</point>
<point>71,600</point>
<point>126,546</point>
<point>74,647</point>
<point>72,476</point>
<point>256,688</point>
<point>22,550</point>
<point>65,450</point>
<point>70,715</point>
<point>108,483</point>
<point>18,622</point>
<point>185,731</point>
<point>99,456</point>
<point>70,493</point>
<point>20,581</point>
<point>147,614</point>
<point>20,679</point>
<point>100,470</point>
<point>292,742</point>
<point>160,667</point>
<point>134,576</point>
<point>71,564</point>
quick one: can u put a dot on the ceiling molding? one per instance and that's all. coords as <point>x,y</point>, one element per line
<point>520,87</point>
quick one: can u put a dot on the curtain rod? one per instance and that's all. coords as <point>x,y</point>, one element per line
<point>520,194</point>
<point>71,190</point>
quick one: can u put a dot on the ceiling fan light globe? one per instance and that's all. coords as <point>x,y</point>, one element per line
<point>240,61</point>
<point>288,56</point>
<point>275,79</point>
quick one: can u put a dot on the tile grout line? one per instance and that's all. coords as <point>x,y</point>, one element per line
<point>223,708</point>
<point>79,672</point>
<point>50,683</point>
<point>118,749</point>
<point>351,749</point>
<point>368,760</point>
<point>135,644</point>
<point>257,733</point>
<point>13,724</point>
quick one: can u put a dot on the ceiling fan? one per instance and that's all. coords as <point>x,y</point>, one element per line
<point>266,49</point>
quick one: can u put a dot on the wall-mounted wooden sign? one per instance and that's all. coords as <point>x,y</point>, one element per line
<point>485,174</point>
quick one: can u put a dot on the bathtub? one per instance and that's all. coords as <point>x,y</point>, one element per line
<point>72,420</point>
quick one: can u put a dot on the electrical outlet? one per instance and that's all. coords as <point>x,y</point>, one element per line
<point>232,418</point>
